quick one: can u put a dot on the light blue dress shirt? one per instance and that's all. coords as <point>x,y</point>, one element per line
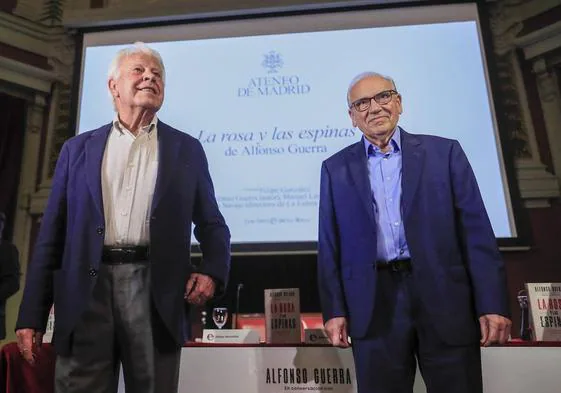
<point>384,171</point>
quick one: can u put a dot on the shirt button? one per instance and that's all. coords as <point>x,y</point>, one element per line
<point>123,213</point>
<point>396,223</point>
<point>93,272</point>
<point>99,230</point>
<point>401,251</point>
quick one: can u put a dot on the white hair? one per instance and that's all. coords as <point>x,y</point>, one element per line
<point>137,48</point>
<point>364,75</point>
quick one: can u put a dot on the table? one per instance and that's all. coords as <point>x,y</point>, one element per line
<point>525,367</point>
<point>512,368</point>
<point>212,368</point>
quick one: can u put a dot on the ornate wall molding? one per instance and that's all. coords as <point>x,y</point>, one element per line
<point>29,9</point>
<point>537,186</point>
<point>516,122</point>
<point>57,47</point>
<point>540,42</point>
<point>36,66</point>
<point>546,80</point>
<point>122,12</point>
<point>550,97</point>
<point>62,61</point>
<point>15,72</point>
<point>541,49</point>
<point>28,35</point>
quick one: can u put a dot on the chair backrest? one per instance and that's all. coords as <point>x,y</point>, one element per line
<point>18,376</point>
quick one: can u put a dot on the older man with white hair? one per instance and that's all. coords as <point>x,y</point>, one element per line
<point>113,250</point>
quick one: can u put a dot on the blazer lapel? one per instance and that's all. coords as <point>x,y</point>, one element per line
<point>168,151</point>
<point>95,146</point>
<point>358,168</point>
<point>413,157</point>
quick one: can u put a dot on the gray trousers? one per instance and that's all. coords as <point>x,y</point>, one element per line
<point>117,329</point>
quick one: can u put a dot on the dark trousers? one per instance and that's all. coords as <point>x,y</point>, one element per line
<point>401,335</point>
<point>116,329</point>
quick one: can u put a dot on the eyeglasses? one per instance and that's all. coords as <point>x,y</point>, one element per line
<point>381,98</point>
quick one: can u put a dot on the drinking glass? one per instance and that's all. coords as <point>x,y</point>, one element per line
<point>220,316</point>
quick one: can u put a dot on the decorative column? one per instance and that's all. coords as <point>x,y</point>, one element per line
<point>62,61</point>
<point>36,112</point>
<point>537,186</point>
<point>37,84</point>
<point>550,99</point>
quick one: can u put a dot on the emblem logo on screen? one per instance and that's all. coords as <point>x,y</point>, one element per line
<point>272,62</point>
<point>274,83</point>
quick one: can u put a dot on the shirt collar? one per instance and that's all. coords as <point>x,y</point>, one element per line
<point>117,125</point>
<point>395,142</point>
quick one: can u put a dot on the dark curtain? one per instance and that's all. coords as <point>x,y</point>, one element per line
<point>12,129</point>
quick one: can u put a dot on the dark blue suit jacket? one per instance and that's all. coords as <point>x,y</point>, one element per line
<point>456,263</point>
<point>68,251</point>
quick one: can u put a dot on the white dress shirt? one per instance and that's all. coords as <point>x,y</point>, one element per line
<point>128,180</point>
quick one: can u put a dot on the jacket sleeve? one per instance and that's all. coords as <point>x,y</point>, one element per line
<point>210,228</point>
<point>329,269</point>
<point>479,245</point>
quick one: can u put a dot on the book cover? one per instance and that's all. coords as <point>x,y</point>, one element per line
<point>544,304</point>
<point>282,316</point>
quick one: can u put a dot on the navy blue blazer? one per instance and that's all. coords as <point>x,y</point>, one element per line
<point>456,263</point>
<point>68,250</point>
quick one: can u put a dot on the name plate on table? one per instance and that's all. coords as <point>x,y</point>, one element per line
<point>315,336</point>
<point>230,336</point>
<point>48,336</point>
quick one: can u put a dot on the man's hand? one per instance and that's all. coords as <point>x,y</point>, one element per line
<point>494,329</point>
<point>199,289</point>
<point>336,329</point>
<point>29,343</point>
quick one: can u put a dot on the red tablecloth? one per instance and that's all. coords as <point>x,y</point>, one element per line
<point>18,376</point>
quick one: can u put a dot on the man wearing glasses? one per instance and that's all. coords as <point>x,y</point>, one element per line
<point>408,264</point>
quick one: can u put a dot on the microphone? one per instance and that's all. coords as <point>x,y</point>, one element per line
<point>238,290</point>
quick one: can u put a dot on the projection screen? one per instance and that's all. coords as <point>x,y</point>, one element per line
<point>266,97</point>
